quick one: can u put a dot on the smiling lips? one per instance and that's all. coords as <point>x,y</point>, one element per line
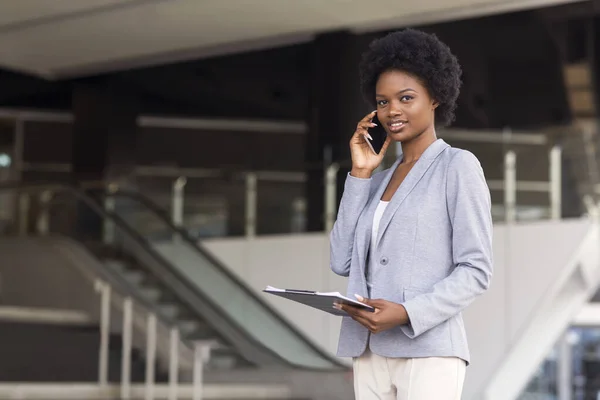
<point>396,126</point>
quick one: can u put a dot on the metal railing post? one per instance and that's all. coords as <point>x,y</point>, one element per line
<point>18,149</point>
<point>126,351</point>
<point>201,357</point>
<point>330,195</point>
<point>24,205</point>
<point>150,355</point>
<point>177,203</point>
<point>109,206</point>
<point>565,371</point>
<point>510,186</point>
<point>555,182</point>
<point>104,290</point>
<point>174,364</point>
<point>251,204</point>
<point>43,218</point>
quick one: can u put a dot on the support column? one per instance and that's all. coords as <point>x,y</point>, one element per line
<point>104,139</point>
<point>335,107</point>
<point>105,131</point>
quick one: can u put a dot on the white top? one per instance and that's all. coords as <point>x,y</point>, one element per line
<point>375,230</point>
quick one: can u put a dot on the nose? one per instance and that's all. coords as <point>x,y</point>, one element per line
<point>395,110</point>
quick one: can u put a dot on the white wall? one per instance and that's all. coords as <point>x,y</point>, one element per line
<point>528,260</point>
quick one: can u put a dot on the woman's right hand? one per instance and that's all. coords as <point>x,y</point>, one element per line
<point>364,160</point>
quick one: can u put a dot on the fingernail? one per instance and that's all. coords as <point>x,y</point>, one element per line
<point>369,136</point>
<point>360,298</point>
<point>373,124</point>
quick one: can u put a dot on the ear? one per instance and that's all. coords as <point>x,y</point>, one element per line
<point>435,104</point>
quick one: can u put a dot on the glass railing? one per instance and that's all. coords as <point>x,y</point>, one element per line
<point>525,178</point>
<point>131,221</point>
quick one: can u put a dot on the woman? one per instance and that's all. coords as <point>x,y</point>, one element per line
<point>416,239</point>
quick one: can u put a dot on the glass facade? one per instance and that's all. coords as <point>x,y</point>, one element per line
<point>582,350</point>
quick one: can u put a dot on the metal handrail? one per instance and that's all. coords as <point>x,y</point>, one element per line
<point>242,333</point>
<point>164,218</point>
<point>139,240</point>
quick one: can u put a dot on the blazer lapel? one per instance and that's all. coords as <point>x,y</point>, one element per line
<point>366,233</point>
<point>412,178</point>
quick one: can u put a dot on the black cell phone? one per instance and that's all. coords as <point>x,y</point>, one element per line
<point>378,134</point>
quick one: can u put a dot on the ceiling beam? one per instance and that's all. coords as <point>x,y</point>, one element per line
<point>16,85</point>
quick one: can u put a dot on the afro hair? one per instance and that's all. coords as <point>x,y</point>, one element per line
<point>421,55</point>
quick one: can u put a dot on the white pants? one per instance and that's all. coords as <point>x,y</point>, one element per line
<point>432,378</point>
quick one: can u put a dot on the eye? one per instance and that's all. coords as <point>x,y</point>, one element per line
<point>381,103</point>
<point>406,98</point>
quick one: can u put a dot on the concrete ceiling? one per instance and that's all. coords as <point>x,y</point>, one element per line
<point>68,38</point>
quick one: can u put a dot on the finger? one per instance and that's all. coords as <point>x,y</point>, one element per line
<point>377,303</point>
<point>355,312</point>
<point>367,315</point>
<point>366,125</point>
<point>362,317</point>
<point>360,136</point>
<point>385,146</point>
<point>348,309</point>
<point>360,131</point>
<point>364,322</point>
<point>369,116</point>
<point>369,302</point>
<point>361,299</point>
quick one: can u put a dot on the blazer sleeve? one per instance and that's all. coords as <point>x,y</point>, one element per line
<point>469,211</point>
<point>341,239</point>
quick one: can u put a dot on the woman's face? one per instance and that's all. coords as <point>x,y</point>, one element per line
<point>404,106</point>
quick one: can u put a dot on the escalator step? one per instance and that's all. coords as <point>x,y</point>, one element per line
<point>169,310</point>
<point>151,294</point>
<point>188,327</point>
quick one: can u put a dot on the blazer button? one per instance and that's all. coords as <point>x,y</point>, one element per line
<point>384,260</point>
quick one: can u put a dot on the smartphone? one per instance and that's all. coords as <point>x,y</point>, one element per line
<point>378,134</point>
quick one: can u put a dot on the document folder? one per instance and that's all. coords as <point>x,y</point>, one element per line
<point>320,300</point>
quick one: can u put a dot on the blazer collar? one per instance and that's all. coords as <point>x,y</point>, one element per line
<point>412,178</point>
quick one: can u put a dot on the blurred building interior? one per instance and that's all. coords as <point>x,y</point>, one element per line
<point>162,161</point>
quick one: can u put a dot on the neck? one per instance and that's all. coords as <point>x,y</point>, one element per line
<point>413,149</point>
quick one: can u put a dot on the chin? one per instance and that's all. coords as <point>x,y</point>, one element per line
<point>402,136</point>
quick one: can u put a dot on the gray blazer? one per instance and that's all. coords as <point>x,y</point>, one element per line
<point>434,252</point>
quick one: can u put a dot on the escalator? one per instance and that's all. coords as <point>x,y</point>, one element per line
<point>165,269</point>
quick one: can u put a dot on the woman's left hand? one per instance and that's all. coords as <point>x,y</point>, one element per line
<point>387,315</point>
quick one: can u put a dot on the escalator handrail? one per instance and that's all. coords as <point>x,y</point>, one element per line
<point>80,194</point>
<point>161,214</point>
<point>155,255</point>
<point>119,222</point>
